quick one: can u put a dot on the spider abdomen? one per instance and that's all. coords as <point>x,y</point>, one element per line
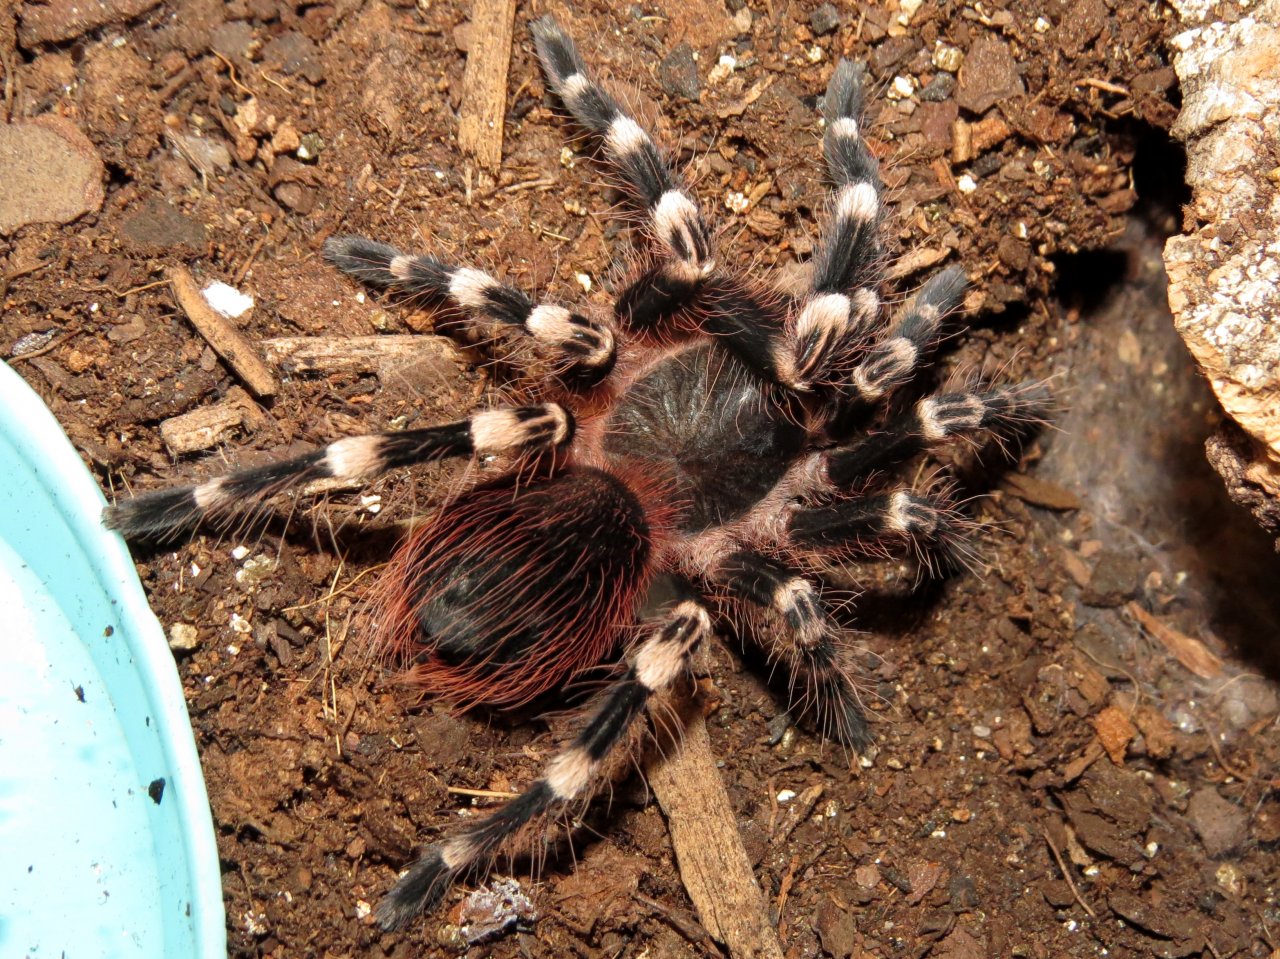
<point>709,426</point>
<point>512,589</point>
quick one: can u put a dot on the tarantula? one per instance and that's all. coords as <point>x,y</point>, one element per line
<point>714,435</point>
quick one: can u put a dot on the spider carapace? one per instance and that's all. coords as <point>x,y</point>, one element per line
<point>712,433</point>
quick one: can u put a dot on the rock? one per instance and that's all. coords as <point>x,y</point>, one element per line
<point>938,89</point>
<point>183,637</point>
<point>838,930</point>
<point>52,21</point>
<point>234,40</point>
<point>1115,579</point>
<point>1220,823</point>
<point>1165,921</point>
<point>825,19</point>
<point>989,75</point>
<point>155,228</point>
<point>292,53</point>
<point>678,73</point>
<point>50,171</point>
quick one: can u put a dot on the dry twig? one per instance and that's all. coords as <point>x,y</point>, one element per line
<point>228,342</point>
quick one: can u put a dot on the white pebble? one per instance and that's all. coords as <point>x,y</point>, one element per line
<point>227,300</point>
<point>966,184</point>
<point>786,795</point>
<point>239,553</point>
<point>584,281</point>
<point>183,637</point>
<point>947,57</point>
<point>721,71</point>
<point>901,88</point>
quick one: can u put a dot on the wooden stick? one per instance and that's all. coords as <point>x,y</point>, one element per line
<point>228,342</point>
<point>203,427</point>
<point>353,354</point>
<point>484,84</point>
<point>713,862</point>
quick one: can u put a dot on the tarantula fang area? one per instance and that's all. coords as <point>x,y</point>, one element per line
<point>712,437</point>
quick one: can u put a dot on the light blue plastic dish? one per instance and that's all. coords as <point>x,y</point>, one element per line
<point>106,842</point>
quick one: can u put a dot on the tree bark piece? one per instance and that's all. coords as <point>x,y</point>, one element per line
<point>1224,272</point>
<point>484,84</point>
<point>709,852</point>
<point>228,342</point>
<point>204,427</point>
<point>354,354</point>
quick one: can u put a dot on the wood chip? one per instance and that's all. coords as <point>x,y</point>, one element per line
<point>1188,650</point>
<point>713,863</point>
<point>205,427</point>
<point>484,84</point>
<point>1039,492</point>
<point>916,260</point>
<point>353,354</point>
<point>228,342</point>
<point>1075,769</point>
<point>1115,732</point>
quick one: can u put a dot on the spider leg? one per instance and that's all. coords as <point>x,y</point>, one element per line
<point>819,669</point>
<point>931,421</point>
<point>675,221</point>
<point>569,778</point>
<point>897,355</point>
<point>837,317</point>
<point>163,514</point>
<point>886,524</point>
<point>583,347</point>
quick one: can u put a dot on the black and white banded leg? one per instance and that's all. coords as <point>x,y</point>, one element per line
<point>999,412</point>
<point>819,671</point>
<point>570,778</point>
<point>583,348</point>
<point>162,514</point>
<point>895,358</point>
<point>839,315</point>
<point>901,521</point>
<point>673,215</point>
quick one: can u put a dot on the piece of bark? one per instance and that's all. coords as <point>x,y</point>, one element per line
<point>713,862</point>
<point>1224,283</point>
<point>1188,650</point>
<point>484,83</point>
<point>353,354</point>
<point>204,427</point>
<point>228,342</point>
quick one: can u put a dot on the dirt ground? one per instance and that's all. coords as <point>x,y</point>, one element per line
<point>1078,751</point>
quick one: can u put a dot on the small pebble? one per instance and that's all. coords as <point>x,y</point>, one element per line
<point>825,19</point>
<point>901,88</point>
<point>939,88</point>
<point>786,795</point>
<point>678,73</point>
<point>311,147</point>
<point>947,57</point>
<point>183,637</point>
